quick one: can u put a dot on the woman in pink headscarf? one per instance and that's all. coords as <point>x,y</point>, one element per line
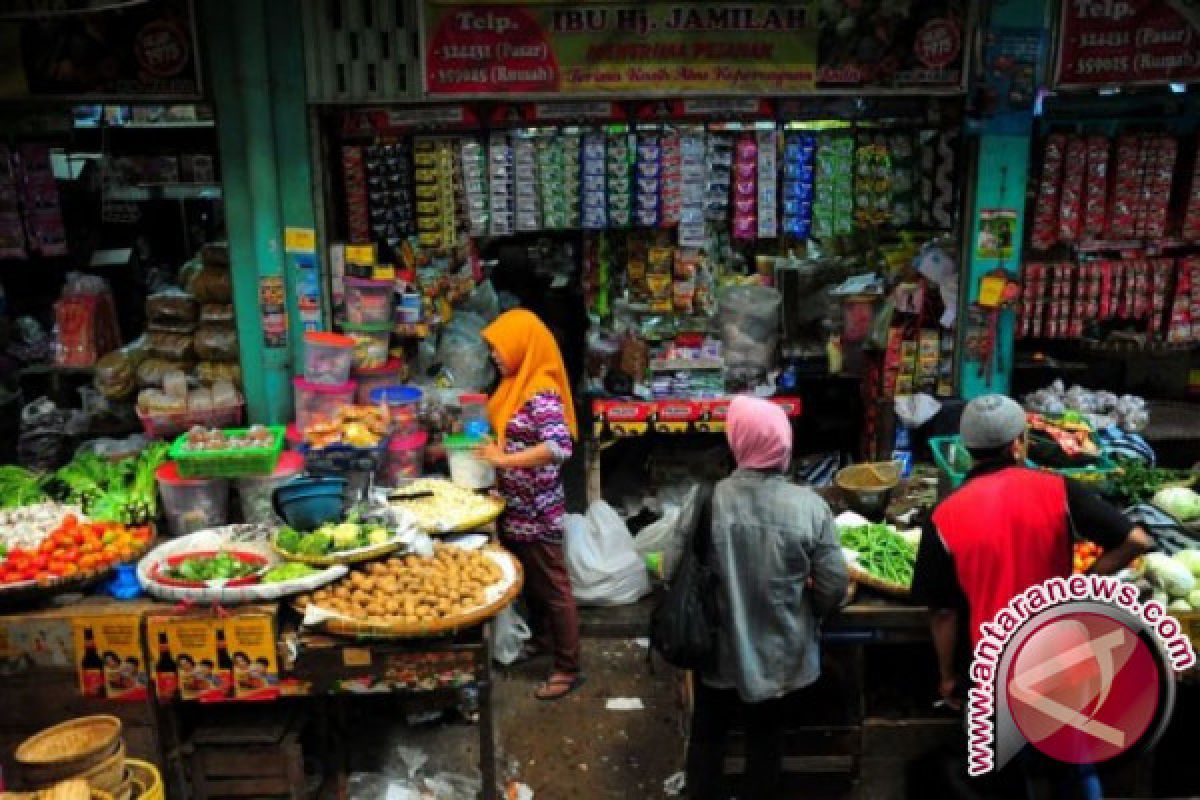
<point>780,572</point>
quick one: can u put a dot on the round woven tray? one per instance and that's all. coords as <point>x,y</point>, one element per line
<point>366,630</point>
<point>68,749</point>
<point>356,556</point>
<point>864,578</point>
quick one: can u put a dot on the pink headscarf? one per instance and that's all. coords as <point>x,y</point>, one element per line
<point>759,433</point>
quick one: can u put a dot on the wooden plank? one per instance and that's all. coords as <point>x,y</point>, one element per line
<point>908,738</point>
<point>816,765</point>
<point>247,733</point>
<point>243,762</point>
<point>248,787</point>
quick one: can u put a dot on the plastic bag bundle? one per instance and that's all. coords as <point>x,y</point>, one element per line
<point>749,324</point>
<point>602,561</point>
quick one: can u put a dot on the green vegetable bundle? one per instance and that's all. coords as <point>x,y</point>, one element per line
<point>1137,483</point>
<point>20,487</point>
<point>222,566</point>
<point>882,552</point>
<point>121,491</point>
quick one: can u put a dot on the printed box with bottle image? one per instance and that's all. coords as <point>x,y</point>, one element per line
<point>214,659</point>
<point>111,661</point>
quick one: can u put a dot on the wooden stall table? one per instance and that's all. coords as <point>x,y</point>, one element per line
<point>42,656</point>
<point>454,669</point>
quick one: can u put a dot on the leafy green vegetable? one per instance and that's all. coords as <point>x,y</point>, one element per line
<point>317,543</point>
<point>1137,482</point>
<point>881,552</point>
<point>122,491</point>
<point>288,572</point>
<point>20,487</point>
<point>1181,503</point>
<point>288,539</point>
<point>222,566</point>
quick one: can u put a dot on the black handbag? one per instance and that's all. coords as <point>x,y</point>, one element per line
<point>683,626</point>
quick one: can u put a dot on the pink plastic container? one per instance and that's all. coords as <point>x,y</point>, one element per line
<point>327,357</point>
<point>369,302</point>
<point>405,459</point>
<point>317,402</point>
<point>369,379</point>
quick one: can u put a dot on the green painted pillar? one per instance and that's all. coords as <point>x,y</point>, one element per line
<point>1001,177</point>
<point>254,52</point>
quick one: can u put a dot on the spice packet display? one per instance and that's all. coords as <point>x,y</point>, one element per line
<point>1070,196</point>
<point>872,181</point>
<point>799,152</point>
<point>501,201</point>
<point>47,234</point>
<point>833,195</point>
<point>1161,273</point>
<point>647,179</point>
<point>944,203</point>
<point>1046,206</point>
<point>1190,228</point>
<point>902,153</point>
<point>745,187</point>
<point>692,228</point>
<point>354,186</point>
<point>687,266</point>
<point>435,206</point>
<point>719,168</point>
<point>1156,183</point>
<point>619,158</point>
<point>570,144</point>
<point>473,158</point>
<point>768,184</point>
<point>593,198</point>
<point>1095,192</point>
<point>549,158</point>
<point>391,202</point>
<point>1183,324</point>
<point>1122,209</point>
<point>659,278</point>
<point>670,182</point>
<point>526,195</point>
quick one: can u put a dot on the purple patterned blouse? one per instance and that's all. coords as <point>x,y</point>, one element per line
<point>536,503</point>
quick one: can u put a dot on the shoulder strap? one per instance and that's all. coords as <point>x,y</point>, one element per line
<point>702,533</point>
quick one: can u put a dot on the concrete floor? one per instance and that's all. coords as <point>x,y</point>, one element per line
<point>575,747</point>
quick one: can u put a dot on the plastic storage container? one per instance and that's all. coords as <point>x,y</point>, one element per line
<point>403,404</point>
<point>369,302</point>
<point>474,407</point>
<point>368,380</point>
<point>317,402</point>
<point>164,424</point>
<point>405,459</point>
<point>466,468</point>
<point>410,308</point>
<point>191,504</point>
<point>327,357</point>
<point>370,347</point>
<point>255,492</point>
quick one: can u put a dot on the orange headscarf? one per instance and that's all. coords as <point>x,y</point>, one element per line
<point>528,350</point>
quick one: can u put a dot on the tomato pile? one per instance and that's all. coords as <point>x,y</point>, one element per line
<point>74,548</point>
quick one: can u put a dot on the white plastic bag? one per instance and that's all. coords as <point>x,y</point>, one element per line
<point>603,564</point>
<point>509,634</point>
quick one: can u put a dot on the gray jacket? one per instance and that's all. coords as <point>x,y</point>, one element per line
<point>769,537</point>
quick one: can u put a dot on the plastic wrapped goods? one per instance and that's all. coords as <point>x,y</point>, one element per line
<point>217,343</point>
<point>749,324</point>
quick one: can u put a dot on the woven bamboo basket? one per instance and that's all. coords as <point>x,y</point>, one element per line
<point>384,629</point>
<point>68,749</point>
<point>864,578</point>
<point>46,794</point>
<point>109,773</point>
<point>147,782</point>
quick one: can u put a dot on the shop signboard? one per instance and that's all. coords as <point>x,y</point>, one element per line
<point>1127,42</point>
<point>884,44</point>
<point>597,47</point>
<point>89,49</point>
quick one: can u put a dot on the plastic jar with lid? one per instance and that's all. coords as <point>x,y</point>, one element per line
<point>404,403</point>
<point>405,459</point>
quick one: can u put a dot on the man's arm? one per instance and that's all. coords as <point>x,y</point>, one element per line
<point>828,576</point>
<point>1096,520</point>
<point>935,583</point>
<point>943,627</point>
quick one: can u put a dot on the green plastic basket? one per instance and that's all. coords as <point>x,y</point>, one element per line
<point>228,463</point>
<point>954,462</point>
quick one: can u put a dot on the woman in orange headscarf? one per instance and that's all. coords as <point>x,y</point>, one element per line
<point>533,416</point>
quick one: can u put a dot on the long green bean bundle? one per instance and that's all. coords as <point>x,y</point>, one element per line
<point>881,552</point>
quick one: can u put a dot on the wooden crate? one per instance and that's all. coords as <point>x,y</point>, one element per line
<point>239,760</point>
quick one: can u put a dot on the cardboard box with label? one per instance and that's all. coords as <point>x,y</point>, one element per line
<point>210,659</point>
<point>109,656</point>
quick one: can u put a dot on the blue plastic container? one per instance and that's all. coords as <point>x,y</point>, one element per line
<point>308,503</point>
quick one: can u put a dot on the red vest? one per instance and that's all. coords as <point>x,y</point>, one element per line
<point>1005,531</point>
